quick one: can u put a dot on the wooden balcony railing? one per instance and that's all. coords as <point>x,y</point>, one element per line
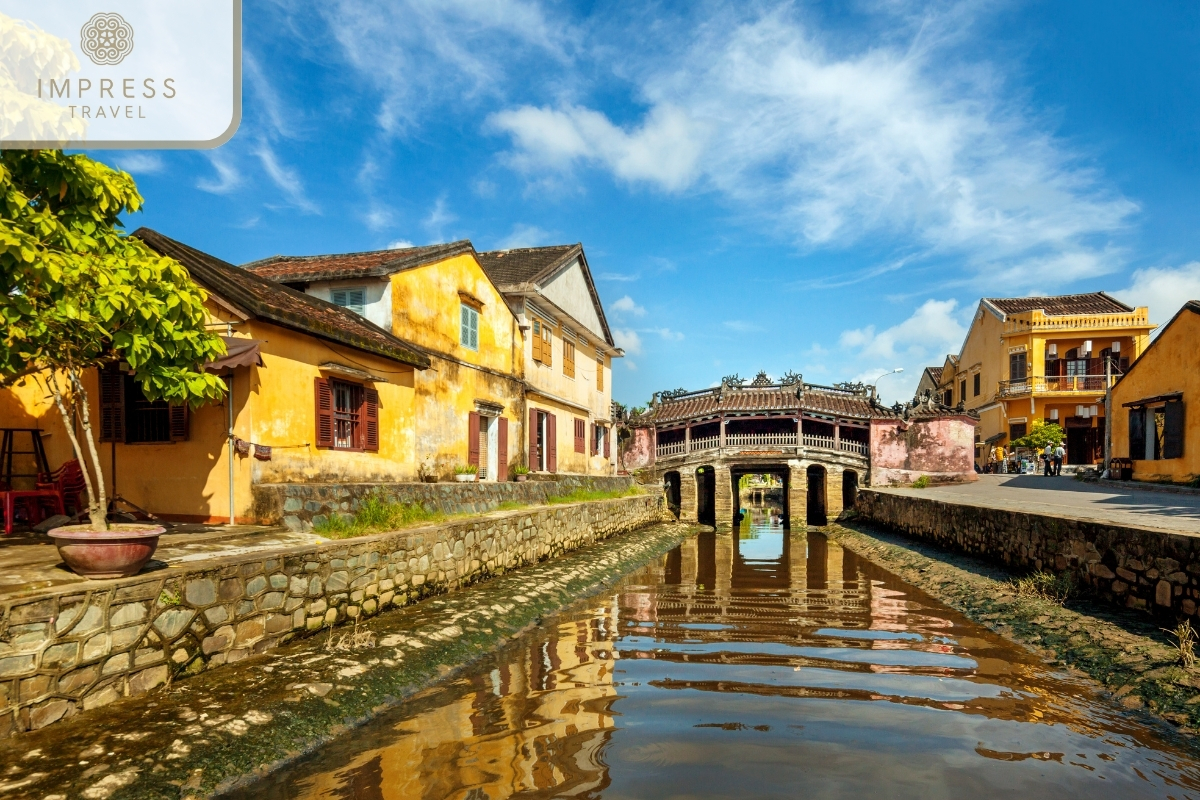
<point>1051,384</point>
<point>760,440</point>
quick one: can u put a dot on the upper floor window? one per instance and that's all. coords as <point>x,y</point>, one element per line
<point>976,387</point>
<point>469,327</point>
<point>347,415</point>
<point>1018,365</point>
<point>354,299</point>
<point>542,343</point>
<point>568,358</point>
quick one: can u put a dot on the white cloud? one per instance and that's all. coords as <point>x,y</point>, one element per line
<point>400,244</point>
<point>140,163</point>
<point>618,277</point>
<point>742,326</point>
<point>378,218</point>
<point>630,364</point>
<point>626,305</point>
<point>285,177</point>
<point>666,333</point>
<point>524,236</point>
<point>628,340</point>
<point>228,177</point>
<point>439,217</point>
<point>933,328</point>
<point>829,144</point>
<point>1163,289</point>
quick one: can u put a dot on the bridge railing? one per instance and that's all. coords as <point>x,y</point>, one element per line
<point>672,449</point>
<point>851,446</point>
<point>706,443</point>
<point>761,440</point>
<point>813,440</point>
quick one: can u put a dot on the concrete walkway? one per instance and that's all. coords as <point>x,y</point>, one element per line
<point>1068,498</point>
<point>29,561</point>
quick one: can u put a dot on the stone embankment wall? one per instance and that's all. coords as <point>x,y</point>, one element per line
<point>299,505</point>
<point>1132,567</point>
<point>66,650</point>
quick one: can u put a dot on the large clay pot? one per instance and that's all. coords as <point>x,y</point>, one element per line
<point>116,553</point>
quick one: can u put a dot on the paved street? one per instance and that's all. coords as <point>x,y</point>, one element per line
<point>1067,497</point>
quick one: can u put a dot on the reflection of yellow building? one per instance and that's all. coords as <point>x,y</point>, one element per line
<point>330,394</point>
<point>538,723</point>
<point>1044,358</point>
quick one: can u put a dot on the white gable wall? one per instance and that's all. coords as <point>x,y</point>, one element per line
<point>569,291</point>
<point>378,297</point>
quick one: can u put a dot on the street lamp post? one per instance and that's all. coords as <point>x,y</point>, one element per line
<point>875,383</point>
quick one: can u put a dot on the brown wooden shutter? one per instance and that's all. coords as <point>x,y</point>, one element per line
<point>568,359</point>
<point>112,404</point>
<point>592,443</point>
<point>578,435</point>
<point>533,448</point>
<point>324,395</point>
<point>551,443</point>
<point>370,420</point>
<point>1173,429</point>
<point>1137,434</point>
<point>179,422</point>
<point>473,438</point>
<point>607,444</point>
<point>537,341</point>
<point>502,449</point>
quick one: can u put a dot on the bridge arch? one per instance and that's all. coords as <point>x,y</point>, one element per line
<point>673,487</point>
<point>849,489</point>
<point>817,501</point>
<point>706,495</point>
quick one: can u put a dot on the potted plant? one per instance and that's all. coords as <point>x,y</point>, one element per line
<point>520,473</point>
<point>426,473</point>
<point>82,295</point>
<point>466,473</point>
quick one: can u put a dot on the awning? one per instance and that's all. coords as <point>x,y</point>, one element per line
<point>239,352</point>
<point>1162,398</point>
<point>995,437</point>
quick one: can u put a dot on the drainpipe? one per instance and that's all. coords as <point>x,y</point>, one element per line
<point>1107,417</point>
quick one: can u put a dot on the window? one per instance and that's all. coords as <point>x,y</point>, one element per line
<point>1017,430</point>
<point>542,343</point>
<point>354,299</point>
<point>1017,366</point>
<point>948,398</point>
<point>347,415</point>
<point>127,416</point>
<point>543,441</point>
<point>568,358</point>
<point>1156,433</point>
<point>580,435</point>
<point>976,384</point>
<point>962,390</point>
<point>599,374</point>
<point>469,327</point>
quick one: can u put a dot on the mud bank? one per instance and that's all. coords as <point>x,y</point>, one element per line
<point>1125,651</point>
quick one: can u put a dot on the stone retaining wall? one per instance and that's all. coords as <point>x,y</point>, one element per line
<point>1133,567</point>
<point>66,649</point>
<point>299,505</point>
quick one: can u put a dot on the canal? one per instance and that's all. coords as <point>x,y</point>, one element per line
<point>759,664</point>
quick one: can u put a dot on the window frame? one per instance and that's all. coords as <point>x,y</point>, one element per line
<point>468,326</point>
<point>976,387</point>
<point>352,416</point>
<point>345,291</point>
<point>568,358</point>
<point>599,372</point>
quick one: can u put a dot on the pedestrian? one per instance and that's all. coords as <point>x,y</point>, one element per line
<point>1048,458</point>
<point>1002,460</point>
<point>1059,455</point>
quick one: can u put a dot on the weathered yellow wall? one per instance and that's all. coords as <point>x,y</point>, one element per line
<point>1169,365</point>
<point>273,405</point>
<point>425,311</point>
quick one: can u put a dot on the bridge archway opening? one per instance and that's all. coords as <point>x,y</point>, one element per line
<point>673,486</point>
<point>706,496</point>
<point>817,504</point>
<point>849,489</point>
<point>760,493</point>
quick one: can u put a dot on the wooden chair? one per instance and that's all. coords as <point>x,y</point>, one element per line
<point>68,482</point>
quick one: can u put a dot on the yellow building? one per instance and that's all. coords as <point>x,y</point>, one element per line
<point>1044,358</point>
<point>1152,422</point>
<point>568,356</point>
<point>318,393</point>
<point>469,405</point>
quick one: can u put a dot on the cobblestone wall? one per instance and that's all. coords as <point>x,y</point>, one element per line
<point>1133,567</point>
<point>67,650</point>
<point>298,505</point>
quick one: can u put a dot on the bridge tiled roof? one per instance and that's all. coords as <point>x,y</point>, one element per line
<point>770,399</point>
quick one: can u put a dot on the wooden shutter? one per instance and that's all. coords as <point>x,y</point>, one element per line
<point>370,420</point>
<point>534,458</point>
<point>568,359</point>
<point>112,404</point>
<point>551,443</point>
<point>179,423</point>
<point>607,444</point>
<point>1137,433</point>
<point>592,444</point>
<point>579,430</point>
<point>599,374</point>
<point>1173,430</point>
<point>324,399</point>
<point>502,449</point>
<point>537,341</point>
<point>473,438</point>
<point>547,346</point>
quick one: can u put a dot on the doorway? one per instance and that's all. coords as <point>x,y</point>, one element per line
<point>1080,445</point>
<point>816,496</point>
<point>706,496</point>
<point>674,489</point>
<point>849,489</point>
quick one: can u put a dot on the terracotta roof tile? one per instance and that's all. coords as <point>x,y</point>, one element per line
<point>524,264</point>
<point>336,266</point>
<point>935,373</point>
<point>818,400</point>
<point>276,303</point>
<point>1062,305</point>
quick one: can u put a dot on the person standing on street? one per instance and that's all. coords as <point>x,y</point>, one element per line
<point>1048,460</point>
<point>1059,455</point>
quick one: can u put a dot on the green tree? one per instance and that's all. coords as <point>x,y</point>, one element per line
<point>78,292</point>
<point>1042,434</point>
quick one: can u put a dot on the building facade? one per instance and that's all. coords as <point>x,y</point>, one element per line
<point>469,405</point>
<point>568,353</point>
<point>1044,358</point>
<point>1154,419</point>
<point>317,393</point>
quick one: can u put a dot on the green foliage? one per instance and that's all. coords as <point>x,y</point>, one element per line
<point>921,482</point>
<point>466,469</point>
<point>1046,586</point>
<point>1042,434</point>
<point>76,291</point>
<point>584,495</point>
<point>520,469</point>
<point>376,514</point>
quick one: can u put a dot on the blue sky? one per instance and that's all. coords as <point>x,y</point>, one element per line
<point>820,187</point>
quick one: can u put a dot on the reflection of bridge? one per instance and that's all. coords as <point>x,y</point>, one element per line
<point>814,438</point>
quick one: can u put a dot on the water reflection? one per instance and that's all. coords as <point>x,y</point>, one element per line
<point>761,664</point>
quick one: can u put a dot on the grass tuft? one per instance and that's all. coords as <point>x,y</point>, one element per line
<point>1046,586</point>
<point>1185,643</point>
<point>921,482</point>
<point>375,515</point>
<point>584,495</point>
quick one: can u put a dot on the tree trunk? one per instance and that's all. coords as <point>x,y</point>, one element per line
<point>97,503</point>
<point>97,509</point>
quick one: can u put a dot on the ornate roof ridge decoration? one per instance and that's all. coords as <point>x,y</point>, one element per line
<point>928,404</point>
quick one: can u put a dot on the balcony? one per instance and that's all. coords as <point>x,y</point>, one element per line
<point>1054,384</point>
<point>762,440</point>
<point>1036,322</point>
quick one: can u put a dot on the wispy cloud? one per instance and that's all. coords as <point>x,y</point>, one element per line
<point>628,307</point>
<point>400,244</point>
<point>286,178</point>
<point>438,218</point>
<point>524,236</point>
<point>618,277</point>
<point>1163,289</point>
<point>742,326</point>
<point>228,176</point>
<point>665,333</point>
<point>628,340</point>
<point>140,163</point>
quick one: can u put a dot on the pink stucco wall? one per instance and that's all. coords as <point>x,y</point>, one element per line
<point>942,448</point>
<point>638,451</point>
